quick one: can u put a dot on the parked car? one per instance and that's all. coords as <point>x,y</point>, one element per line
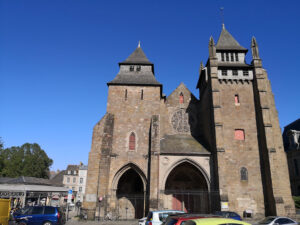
<point>142,221</point>
<point>228,214</point>
<point>158,217</point>
<point>39,215</point>
<point>277,220</point>
<point>215,221</point>
<point>180,219</point>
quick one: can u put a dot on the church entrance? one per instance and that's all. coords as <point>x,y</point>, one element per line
<point>130,196</point>
<point>187,189</point>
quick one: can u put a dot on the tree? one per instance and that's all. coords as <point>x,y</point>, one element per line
<point>1,158</point>
<point>28,160</point>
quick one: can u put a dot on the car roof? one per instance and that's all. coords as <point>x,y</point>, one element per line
<point>162,211</point>
<point>196,215</point>
<point>218,221</point>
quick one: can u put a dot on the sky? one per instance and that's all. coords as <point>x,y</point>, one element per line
<point>56,57</point>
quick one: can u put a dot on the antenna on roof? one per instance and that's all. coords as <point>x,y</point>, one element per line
<point>222,16</point>
<point>139,45</point>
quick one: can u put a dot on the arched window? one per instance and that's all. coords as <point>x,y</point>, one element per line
<point>126,94</point>
<point>132,142</point>
<point>244,173</point>
<point>181,99</point>
<point>142,94</point>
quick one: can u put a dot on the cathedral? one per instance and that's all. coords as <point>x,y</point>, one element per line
<point>222,150</point>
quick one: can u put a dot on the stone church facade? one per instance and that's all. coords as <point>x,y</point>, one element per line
<point>222,151</point>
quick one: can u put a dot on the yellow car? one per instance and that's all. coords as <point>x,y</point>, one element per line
<point>215,221</point>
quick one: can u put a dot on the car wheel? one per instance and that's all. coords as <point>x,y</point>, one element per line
<point>47,223</point>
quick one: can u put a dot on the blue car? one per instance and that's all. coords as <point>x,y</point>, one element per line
<point>39,215</point>
<point>228,214</point>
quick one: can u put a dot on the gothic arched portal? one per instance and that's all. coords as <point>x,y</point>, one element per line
<point>188,189</point>
<point>130,195</point>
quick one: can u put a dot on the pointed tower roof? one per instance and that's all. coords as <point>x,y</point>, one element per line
<point>141,77</point>
<point>137,57</point>
<point>227,42</point>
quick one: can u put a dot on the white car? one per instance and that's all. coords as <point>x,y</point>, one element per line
<point>142,221</point>
<point>158,217</point>
<point>277,220</point>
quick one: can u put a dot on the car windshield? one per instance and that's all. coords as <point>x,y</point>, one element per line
<point>25,210</point>
<point>267,220</point>
<point>171,221</point>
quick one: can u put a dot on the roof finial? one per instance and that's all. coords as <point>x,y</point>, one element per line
<point>139,45</point>
<point>222,16</point>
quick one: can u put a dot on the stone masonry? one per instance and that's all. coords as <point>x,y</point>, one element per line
<point>220,152</point>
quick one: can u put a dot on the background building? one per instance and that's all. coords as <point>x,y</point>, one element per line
<point>222,151</point>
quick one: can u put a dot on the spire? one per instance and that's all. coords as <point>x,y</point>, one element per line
<point>212,48</point>
<point>139,45</point>
<point>227,42</point>
<point>254,48</point>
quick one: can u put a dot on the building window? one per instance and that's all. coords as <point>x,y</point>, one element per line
<point>234,72</point>
<point>80,189</point>
<point>296,167</point>
<point>239,134</point>
<point>138,68</point>
<point>74,172</point>
<point>181,99</point>
<point>227,56</point>
<point>224,72</point>
<point>73,188</point>
<point>81,180</point>
<point>74,179</point>
<point>222,56</point>
<point>69,171</point>
<point>68,179</point>
<point>126,94</point>
<point>142,94</point>
<point>132,142</point>
<point>236,56</point>
<point>232,57</point>
<point>245,72</point>
<point>236,100</point>
<point>244,173</point>
<point>131,68</point>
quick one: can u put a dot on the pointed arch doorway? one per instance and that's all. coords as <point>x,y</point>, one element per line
<point>188,188</point>
<point>130,190</point>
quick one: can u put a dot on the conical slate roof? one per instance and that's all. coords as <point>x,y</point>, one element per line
<point>137,57</point>
<point>142,77</point>
<point>227,42</point>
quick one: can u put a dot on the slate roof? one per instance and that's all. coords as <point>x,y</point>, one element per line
<point>25,180</point>
<point>137,57</point>
<point>227,42</point>
<point>181,144</point>
<point>147,78</point>
<point>58,178</point>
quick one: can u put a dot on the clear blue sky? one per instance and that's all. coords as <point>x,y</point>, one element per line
<point>56,57</point>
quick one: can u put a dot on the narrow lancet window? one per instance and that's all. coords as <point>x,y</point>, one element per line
<point>181,98</point>
<point>236,56</point>
<point>227,56</point>
<point>132,142</point>
<point>142,94</point>
<point>125,94</point>
<point>244,174</point>
<point>222,57</point>
<point>231,57</point>
<point>236,100</point>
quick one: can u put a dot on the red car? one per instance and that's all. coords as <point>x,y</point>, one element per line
<point>180,219</point>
